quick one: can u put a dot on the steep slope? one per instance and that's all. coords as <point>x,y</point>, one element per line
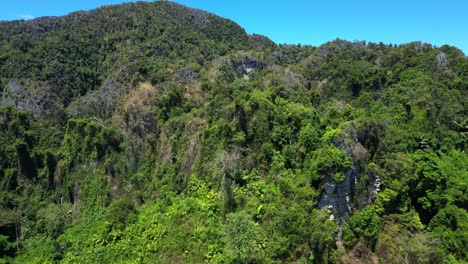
<point>156,133</point>
<point>74,54</point>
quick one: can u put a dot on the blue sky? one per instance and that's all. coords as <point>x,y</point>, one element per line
<point>311,22</point>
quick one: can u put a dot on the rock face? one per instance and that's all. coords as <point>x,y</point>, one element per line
<point>36,97</point>
<point>241,67</point>
<point>249,64</point>
<point>375,187</point>
<point>441,59</point>
<point>186,75</point>
<point>337,197</point>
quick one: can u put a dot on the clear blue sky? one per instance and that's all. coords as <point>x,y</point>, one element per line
<point>307,21</point>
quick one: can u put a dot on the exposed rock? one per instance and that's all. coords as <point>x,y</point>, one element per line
<point>242,66</point>
<point>36,97</point>
<point>422,47</point>
<point>375,188</point>
<point>337,197</point>
<point>441,59</point>
<point>186,75</point>
<point>248,65</point>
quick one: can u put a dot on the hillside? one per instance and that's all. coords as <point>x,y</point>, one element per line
<point>156,133</point>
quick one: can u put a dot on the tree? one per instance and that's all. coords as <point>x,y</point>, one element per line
<point>241,233</point>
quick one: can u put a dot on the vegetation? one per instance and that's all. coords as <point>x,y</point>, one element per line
<point>155,133</point>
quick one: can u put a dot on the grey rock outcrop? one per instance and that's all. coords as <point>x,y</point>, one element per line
<point>249,64</point>
<point>441,59</point>
<point>241,67</point>
<point>36,97</point>
<point>337,197</point>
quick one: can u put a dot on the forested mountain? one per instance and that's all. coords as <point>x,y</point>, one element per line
<point>155,133</point>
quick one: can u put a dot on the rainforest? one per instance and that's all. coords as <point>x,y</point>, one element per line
<point>151,132</point>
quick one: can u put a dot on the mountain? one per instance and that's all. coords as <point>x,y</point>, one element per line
<point>156,133</point>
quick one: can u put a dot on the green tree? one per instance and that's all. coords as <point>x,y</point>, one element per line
<point>241,233</point>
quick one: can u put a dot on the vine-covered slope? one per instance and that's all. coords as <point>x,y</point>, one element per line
<point>156,133</point>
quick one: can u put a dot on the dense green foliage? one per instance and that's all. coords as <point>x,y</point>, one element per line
<point>155,133</point>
